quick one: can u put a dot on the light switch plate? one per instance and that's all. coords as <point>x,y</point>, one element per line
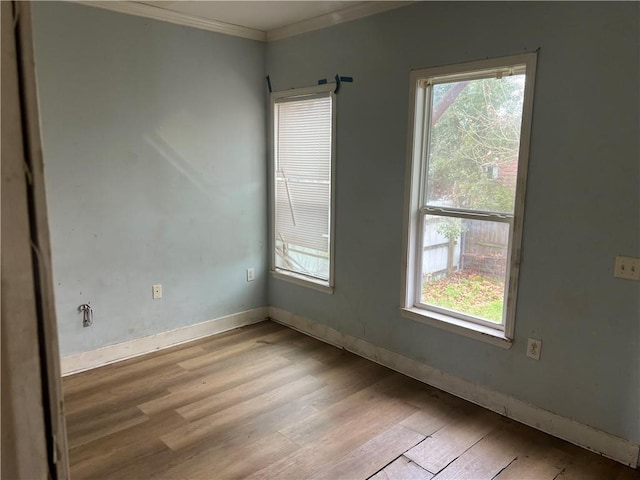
<point>627,268</point>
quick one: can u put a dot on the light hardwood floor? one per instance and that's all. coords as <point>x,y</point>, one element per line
<point>266,402</point>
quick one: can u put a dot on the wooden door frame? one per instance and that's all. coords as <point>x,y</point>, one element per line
<point>34,443</point>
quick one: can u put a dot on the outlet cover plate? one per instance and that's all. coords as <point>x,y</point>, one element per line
<point>157,292</point>
<point>533,348</point>
<point>251,274</point>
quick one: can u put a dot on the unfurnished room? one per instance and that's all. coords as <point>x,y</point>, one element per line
<point>320,240</point>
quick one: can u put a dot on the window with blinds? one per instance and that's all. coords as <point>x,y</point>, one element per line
<point>302,185</point>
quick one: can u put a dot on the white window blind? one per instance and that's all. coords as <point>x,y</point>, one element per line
<point>302,167</point>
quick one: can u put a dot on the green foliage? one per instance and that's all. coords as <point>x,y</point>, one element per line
<point>476,137</point>
<point>450,227</point>
<point>468,293</point>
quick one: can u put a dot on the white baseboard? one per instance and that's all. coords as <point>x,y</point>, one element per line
<point>139,346</point>
<point>616,448</point>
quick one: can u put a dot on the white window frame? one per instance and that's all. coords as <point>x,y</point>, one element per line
<point>324,90</point>
<point>501,335</point>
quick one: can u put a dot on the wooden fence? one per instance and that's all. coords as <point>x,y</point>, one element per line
<point>485,247</point>
<point>482,247</point>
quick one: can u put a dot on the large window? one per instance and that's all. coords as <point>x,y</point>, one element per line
<point>467,168</point>
<point>302,185</point>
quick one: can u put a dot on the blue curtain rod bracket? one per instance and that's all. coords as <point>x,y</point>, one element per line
<point>339,79</point>
<point>269,84</point>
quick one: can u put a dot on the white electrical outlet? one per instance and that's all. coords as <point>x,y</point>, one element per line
<point>157,292</point>
<point>533,348</point>
<point>627,268</point>
<point>250,274</point>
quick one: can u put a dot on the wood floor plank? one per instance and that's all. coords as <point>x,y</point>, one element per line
<point>79,433</point>
<point>314,457</point>
<point>435,414</point>
<point>278,383</point>
<point>233,436</point>
<point>424,396</point>
<point>243,460</point>
<point>206,426</point>
<point>131,392</point>
<point>448,443</point>
<point>352,376</point>
<point>488,457</point>
<point>263,343</point>
<point>249,357</point>
<point>129,370</point>
<point>132,465</point>
<point>586,466</point>
<point>626,473</point>
<point>543,460</point>
<point>211,384</point>
<point>402,469</point>
<point>360,405</point>
<point>112,451</point>
<point>309,347</point>
<point>367,459</point>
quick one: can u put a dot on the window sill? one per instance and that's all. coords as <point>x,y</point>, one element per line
<point>303,281</point>
<point>468,329</point>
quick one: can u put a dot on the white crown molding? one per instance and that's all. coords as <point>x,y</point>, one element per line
<point>327,20</point>
<point>162,14</point>
<point>603,443</point>
<point>333,18</point>
<point>139,346</point>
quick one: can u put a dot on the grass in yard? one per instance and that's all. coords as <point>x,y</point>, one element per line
<point>466,292</point>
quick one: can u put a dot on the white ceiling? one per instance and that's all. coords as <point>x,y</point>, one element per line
<point>263,15</point>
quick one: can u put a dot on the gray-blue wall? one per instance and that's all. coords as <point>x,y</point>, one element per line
<point>154,146</point>
<point>583,199</point>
